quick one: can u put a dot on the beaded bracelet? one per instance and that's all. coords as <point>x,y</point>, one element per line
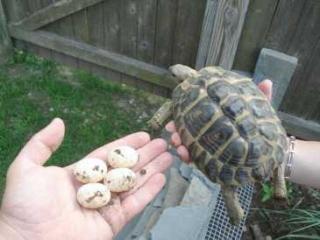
<point>289,162</point>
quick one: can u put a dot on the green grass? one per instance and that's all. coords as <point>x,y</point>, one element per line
<point>301,223</point>
<point>33,91</point>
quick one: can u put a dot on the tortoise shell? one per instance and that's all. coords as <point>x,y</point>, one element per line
<point>232,132</point>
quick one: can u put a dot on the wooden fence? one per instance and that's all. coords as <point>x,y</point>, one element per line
<point>134,41</point>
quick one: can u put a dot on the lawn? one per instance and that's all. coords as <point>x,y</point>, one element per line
<point>33,91</point>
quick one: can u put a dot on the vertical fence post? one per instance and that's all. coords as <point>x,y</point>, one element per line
<point>221,30</point>
<point>5,41</point>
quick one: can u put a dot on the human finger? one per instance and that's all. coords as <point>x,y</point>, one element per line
<point>41,146</point>
<point>158,165</point>
<point>149,152</point>
<point>184,154</point>
<point>266,87</point>
<point>135,203</point>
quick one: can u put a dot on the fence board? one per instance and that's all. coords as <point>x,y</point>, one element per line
<point>206,32</point>
<point>65,28</point>
<point>17,9</point>
<point>95,55</point>
<point>299,127</point>
<point>34,5</point>
<point>187,31</point>
<point>313,79</point>
<point>146,29</point>
<point>255,30</point>
<point>302,44</point>
<point>95,24</point>
<point>284,24</point>
<point>44,52</point>
<point>111,26</point>
<point>5,41</point>
<point>226,32</point>
<point>54,12</point>
<point>128,32</point>
<point>128,18</point>
<point>166,17</point>
<point>80,26</point>
<point>81,32</point>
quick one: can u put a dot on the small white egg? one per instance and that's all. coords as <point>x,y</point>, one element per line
<point>123,157</point>
<point>93,195</point>
<point>120,179</point>
<point>90,170</point>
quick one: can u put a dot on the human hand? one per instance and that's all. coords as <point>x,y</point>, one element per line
<point>265,86</point>
<point>40,202</point>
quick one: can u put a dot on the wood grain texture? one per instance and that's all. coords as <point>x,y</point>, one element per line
<point>229,19</point>
<point>292,27</point>
<point>128,33</point>
<point>129,25</point>
<point>97,37</point>
<point>257,23</point>
<point>146,29</point>
<point>95,25</point>
<point>65,29</point>
<point>34,5</point>
<point>300,127</point>
<point>54,12</point>
<point>206,33</point>
<point>5,40</point>
<point>111,27</point>
<point>16,9</point>
<point>81,33</point>
<point>165,32</point>
<point>95,55</point>
<point>111,22</point>
<point>304,92</point>
<point>187,31</point>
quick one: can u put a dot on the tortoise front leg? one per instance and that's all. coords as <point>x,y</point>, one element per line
<point>161,116</point>
<point>234,209</point>
<point>280,190</point>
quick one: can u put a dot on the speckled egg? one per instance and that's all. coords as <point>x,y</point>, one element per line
<point>120,179</point>
<point>93,195</point>
<point>123,157</point>
<point>90,170</point>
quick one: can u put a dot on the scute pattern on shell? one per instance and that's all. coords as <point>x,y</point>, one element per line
<point>229,127</point>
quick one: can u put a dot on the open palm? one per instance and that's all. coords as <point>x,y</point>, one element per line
<point>40,202</point>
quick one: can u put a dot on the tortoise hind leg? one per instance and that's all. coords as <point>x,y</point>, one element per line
<point>234,209</point>
<point>280,189</point>
<point>161,116</point>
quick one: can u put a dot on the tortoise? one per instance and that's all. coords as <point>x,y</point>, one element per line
<point>230,129</point>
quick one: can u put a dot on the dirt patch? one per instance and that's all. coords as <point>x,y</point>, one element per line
<point>274,224</point>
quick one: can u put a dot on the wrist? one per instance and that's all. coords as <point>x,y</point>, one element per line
<point>306,164</point>
<point>7,231</point>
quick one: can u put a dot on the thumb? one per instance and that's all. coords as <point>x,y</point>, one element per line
<point>266,87</point>
<point>41,146</point>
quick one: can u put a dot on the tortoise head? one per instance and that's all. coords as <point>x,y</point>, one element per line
<point>182,72</point>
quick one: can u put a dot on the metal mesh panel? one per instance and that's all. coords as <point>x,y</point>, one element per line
<point>219,226</point>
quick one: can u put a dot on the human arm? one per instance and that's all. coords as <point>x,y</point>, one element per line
<point>306,163</point>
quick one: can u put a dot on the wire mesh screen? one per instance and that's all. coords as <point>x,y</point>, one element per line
<point>219,226</point>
